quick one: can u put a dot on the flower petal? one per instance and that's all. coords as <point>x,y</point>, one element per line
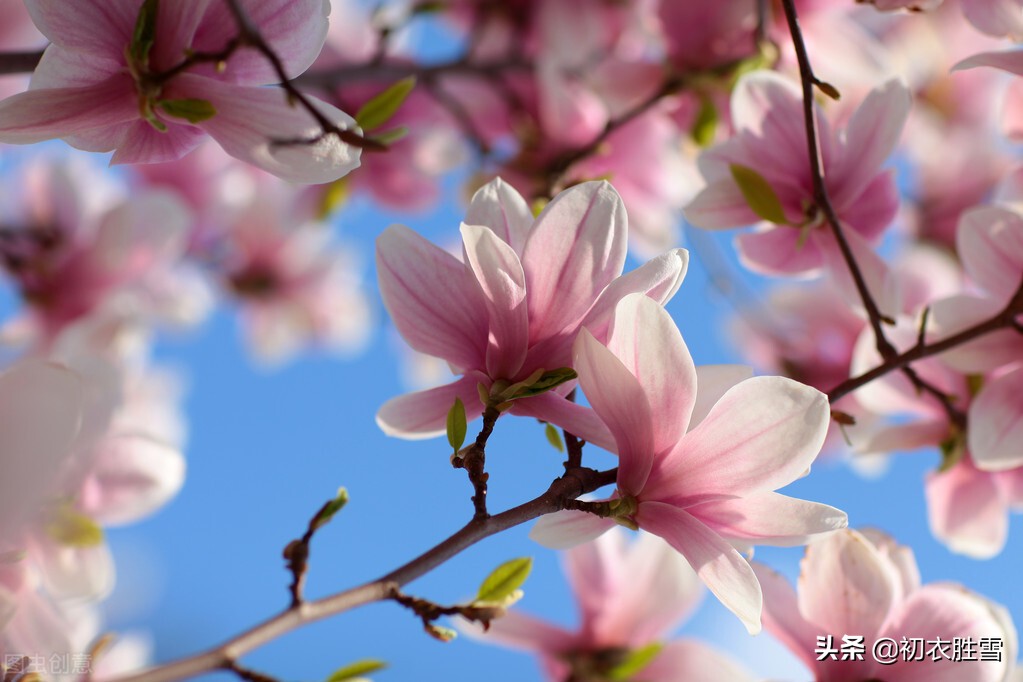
<point>948,611</point>
<point>989,240</point>
<point>498,206</point>
<point>692,661</point>
<point>720,567</point>
<point>53,113</point>
<point>871,136</point>
<point>40,410</point>
<point>521,631</point>
<point>433,300</point>
<point>650,346</point>
<point>712,382</point>
<point>582,422</point>
<point>995,435</point>
<point>657,589</point>
<point>762,434</point>
<point>294,29</point>
<point>782,618</point>
<point>132,477</point>
<point>846,586</point>
<point>499,273</point>
<point>966,511</point>
<point>770,519</point>
<point>90,26</point>
<point>423,414</point>
<point>259,126</point>
<point>620,401</point>
<point>660,278</point>
<point>576,248</point>
<point>568,528</point>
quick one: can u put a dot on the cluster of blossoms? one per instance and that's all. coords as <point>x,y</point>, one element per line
<point>592,127</point>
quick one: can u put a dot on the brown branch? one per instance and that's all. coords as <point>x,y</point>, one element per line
<point>568,487</point>
<point>1004,319</point>
<point>249,35</point>
<point>561,164</point>
<point>19,62</point>
<point>247,674</point>
<point>474,458</point>
<point>822,201</point>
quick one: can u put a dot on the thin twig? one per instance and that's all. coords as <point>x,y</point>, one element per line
<point>474,458</point>
<point>568,487</point>
<point>248,34</point>
<point>19,62</point>
<point>1004,319</point>
<point>822,202</point>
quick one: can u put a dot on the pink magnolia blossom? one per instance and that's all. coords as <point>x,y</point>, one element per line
<point>110,81</point>
<point>862,584</point>
<point>630,596</point>
<point>70,257</point>
<point>516,303</point>
<point>979,481</point>
<point>699,457</point>
<point>770,139</point>
<point>295,288</point>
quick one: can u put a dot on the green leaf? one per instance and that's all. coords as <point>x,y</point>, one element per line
<point>505,580</point>
<point>758,194</point>
<point>328,510</point>
<point>635,662</point>
<point>390,136</point>
<point>335,194</point>
<point>546,382</point>
<point>357,669</point>
<point>381,108</point>
<point>554,438</point>
<point>952,451</point>
<point>706,123</point>
<point>192,110</point>
<point>71,528</point>
<point>144,35</point>
<point>456,425</point>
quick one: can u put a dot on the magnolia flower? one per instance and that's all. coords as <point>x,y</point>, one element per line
<point>513,308</point>
<point>118,76</point>
<point>699,456</point>
<point>864,585</point>
<point>70,254</point>
<point>770,142</point>
<point>631,597</point>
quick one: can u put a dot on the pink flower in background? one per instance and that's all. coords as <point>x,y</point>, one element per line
<point>517,302</point>
<point>71,255</point>
<point>630,596</point>
<point>770,139</point>
<point>295,288</point>
<point>862,584</point>
<point>103,85</point>
<point>408,176</point>
<point>698,460</point>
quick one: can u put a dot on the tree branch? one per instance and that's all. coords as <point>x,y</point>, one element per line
<point>570,486</point>
<point>1005,319</point>
<point>19,62</point>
